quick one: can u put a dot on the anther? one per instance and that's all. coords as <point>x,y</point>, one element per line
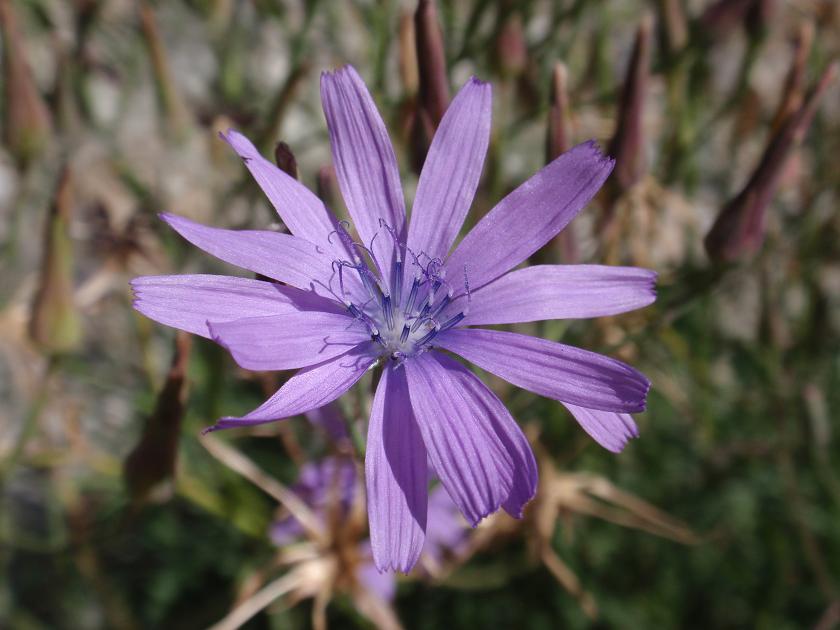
<point>452,321</point>
<point>421,317</point>
<point>429,335</point>
<point>388,311</point>
<point>396,280</point>
<point>412,295</point>
<point>443,304</point>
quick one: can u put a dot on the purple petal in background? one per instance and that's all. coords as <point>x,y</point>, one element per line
<point>304,214</point>
<point>397,476</point>
<point>551,369</point>
<point>330,419</point>
<point>292,340</point>
<point>283,257</point>
<point>530,216</point>
<point>364,160</point>
<point>447,529</point>
<point>383,584</point>
<point>460,419</point>
<point>451,171</point>
<point>559,292</point>
<point>187,302</point>
<point>610,430</point>
<point>320,484</point>
<point>285,531</point>
<point>310,388</point>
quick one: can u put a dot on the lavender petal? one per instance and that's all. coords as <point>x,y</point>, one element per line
<point>282,257</point>
<point>308,389</point>
<point>551,369</point>
<point>397,476</point>
<point>610,430</point>
<point>364,160</point>
<point>530,216</point>
<point>187,302</point>
<point>304,214</point>
<point>291,340</point>
<point>471,438</point>
<point>451,171</point>
<point>559,292</point>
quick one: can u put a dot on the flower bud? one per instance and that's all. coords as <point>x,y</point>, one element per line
<point>794,89</point>
<point>286,159</point>
<point>55,325</point>
<point>27,122</point>
<point>558,141</point>
<point>431,60</point>
<point>627,144</point>
<point>408,55</point>
<point>558,137</point>
<point>738,230</point>
<point>511,51</point>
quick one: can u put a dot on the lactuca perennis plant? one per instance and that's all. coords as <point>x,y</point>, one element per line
<point>397,297</point>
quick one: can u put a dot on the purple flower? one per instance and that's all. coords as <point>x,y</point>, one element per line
<point>398,298</point>
<point>447,532</point>
<point>325,485</point>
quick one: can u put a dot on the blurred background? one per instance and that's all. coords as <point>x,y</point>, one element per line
<point>725,121</point>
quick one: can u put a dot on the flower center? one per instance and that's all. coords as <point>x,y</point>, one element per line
<point>403,320</point>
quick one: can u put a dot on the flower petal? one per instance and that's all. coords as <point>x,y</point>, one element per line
<point>364,159</point>
<point>304,214</point>
<point>310,388</point>
<point>187,302</point>
<point>559,292</point>
<point>551,369</point>
<point>283,257</point>
<point>397,476</point>
<point>475,446</point>
<point>292,340</point>
<point>530,216</point>
<point>451,171</point>
<point>610,430</point>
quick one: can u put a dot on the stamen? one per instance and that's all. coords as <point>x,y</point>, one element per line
<point>404,334</point>
<point>429,335</point>
<point>443,303</point>
<point>396,281</point>
<point>452,321</point>
<point>421,316</point>
<point>412,295</point>
<point>388,311</point>
<point>366,319</point>
<point>369,280</point>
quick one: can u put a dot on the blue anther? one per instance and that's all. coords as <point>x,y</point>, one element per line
<point>421,316</point>
<point>388,311</point>
<point>443,304</point>
<point>369,281</point>
<point>428,336</point>
<point>396,281</point>
<point>452,321</point>
<point>354,310</point>
<point>404,334</point>
<point>412,295</point>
